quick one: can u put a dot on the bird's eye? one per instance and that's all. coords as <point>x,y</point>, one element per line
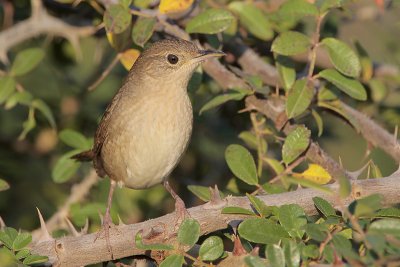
<point>173,59</point>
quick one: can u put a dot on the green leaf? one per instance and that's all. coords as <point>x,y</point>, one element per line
<point>366,206</point>
<point>3,185</point>
<point>35,259</point>
<point>211,249</point>
<point>45,110</point>
<point>318,121</point>
<point>117,18</point>
<point>253,19</point>
<point>328,92</point>
<point>275,255</point>
<point>292,253</point>
<point>325,5</point>
<point>299,98</point>
<point>378,90</point>
<point>343,246</point>
<point>7,87</point>
<point>172,261</point>
<point>210,21</point>
<point>291,43</point>
<point>388,212</point>
<point>221,99</point>
<point>262,231</point>
<point>23,253</point>
<point>254,261</point>
<point>65,167</point>
<point>189,232</point>
<point>317,232</point>
<point>26,61</point>
<point>259,205</point>
<point>143,30</point>
<point>21,241</point>
<point>292,218</point>
<point>241,163</point>
<point>74,139</point>
<point>295,144</point>
<point>23,98</point>
<point>350,86</point>
<point>202,192</point>
<point>297,9</point>
<point>386,227</point>
<point>6,239</point>
<point>324,207</point>
<point>286,70</point>
<point>236,210</point>
<point>140,245</point>
<point>310,251</point>
<point>343,57</point>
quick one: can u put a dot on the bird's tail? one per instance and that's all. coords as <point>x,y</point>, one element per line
<point>84,156</point>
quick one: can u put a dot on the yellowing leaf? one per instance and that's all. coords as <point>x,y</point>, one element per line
<point>129,57</point>
<point>174,6</point>
<point>315,173</point>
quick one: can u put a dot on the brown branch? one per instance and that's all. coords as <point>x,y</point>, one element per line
<point>78,251</point>
<point>370,130</point>
<point>374,133</point>
<point>40,23</point>
<point>78,192</point>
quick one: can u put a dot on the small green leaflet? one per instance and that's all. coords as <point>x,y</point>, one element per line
<point>295,144</point>
<point>211,249</point>
<point>210,21</point>
<point>291,43</point>
<point>189,232</point>
<point>143,30</point>
<point>343,57</point>
<point>350,86</point>
<point>26,61</point>
<point>241,163</point>
<point>221,99</point>
<point>299,98</point>
<point>253,19</point>
<point>117,18</point>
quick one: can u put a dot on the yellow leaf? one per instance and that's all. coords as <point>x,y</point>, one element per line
<point>316,174</point>
<point>128,58</point>
<point>174,6</point>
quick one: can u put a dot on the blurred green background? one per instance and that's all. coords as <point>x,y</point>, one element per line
<point>62,82</point>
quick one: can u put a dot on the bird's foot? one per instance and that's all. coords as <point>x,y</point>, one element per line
<point>180,211</point>
<point>105,231</point>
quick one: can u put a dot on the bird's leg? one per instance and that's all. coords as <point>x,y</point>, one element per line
<point>107,221</point>
<point>180,207</point>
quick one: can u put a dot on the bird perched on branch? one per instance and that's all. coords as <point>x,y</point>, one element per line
<point>147,126</point>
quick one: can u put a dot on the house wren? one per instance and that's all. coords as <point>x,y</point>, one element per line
<point>147,126</point>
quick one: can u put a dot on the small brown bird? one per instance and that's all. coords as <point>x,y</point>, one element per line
<point>147,126</point>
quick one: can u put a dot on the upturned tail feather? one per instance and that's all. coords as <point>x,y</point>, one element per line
<point>84,156</point>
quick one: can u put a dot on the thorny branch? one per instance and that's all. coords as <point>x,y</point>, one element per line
<point>78,251</point>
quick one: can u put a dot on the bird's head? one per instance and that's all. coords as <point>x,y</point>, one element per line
<point>172,60</point>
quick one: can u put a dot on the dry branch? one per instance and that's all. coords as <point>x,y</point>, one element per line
<point>78,193</point>
<point>79,251</point>
<point>40,23</point>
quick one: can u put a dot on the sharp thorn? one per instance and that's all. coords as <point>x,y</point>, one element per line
<point>101,218</point>
<point>71,228</point>
<point>120,222</point>
<point>45,233</point>
<point>2,224</point>
<point>85,228</point>
<point>355,174</point>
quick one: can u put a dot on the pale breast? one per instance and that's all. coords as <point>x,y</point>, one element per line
<point>154,135</point>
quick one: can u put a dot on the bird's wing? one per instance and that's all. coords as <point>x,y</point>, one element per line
<point>102,133</point>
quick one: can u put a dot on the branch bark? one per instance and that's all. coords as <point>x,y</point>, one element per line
<point>79,251</point>
<point>40,23</point>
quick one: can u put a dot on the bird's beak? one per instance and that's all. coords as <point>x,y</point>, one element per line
<point>205,54</point>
